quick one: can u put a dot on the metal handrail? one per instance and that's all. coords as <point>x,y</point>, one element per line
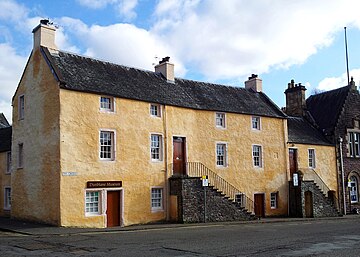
<point>198,169</point>
<point>311,175</point>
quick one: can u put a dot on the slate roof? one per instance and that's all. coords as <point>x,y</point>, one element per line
<point>326,107</point>
<point>85,74</point>
<point>302,132</point>
<point>5,139</point>
<point>3,121</point>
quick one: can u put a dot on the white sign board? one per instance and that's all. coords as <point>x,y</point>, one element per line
<point>296,179</point>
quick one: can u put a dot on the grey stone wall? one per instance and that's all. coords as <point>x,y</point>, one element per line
<point>322,206</point>
<point>191,203</point>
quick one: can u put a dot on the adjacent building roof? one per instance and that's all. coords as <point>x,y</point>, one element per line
<point>326,107</point>
<point>5,139</point>
<point>302,132</point>
<point>85,74</point>
<point>3,121</point>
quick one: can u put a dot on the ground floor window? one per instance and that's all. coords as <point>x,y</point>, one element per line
<point>353,187</point>
<point>7,198</point>
<point>92,203</point>
<point>156,198</point>
<point>240,198</point>
<point>273,200</point>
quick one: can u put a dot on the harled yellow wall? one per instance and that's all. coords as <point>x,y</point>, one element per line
<point>5,181</point>
<point>80,124</point>
<point>325,162</point>
<point>35,187</point>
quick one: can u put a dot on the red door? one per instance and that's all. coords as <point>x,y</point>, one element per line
<point>179,156</point>
<point>113,208</point>
<point>293,161</point>
<point>259,208</point>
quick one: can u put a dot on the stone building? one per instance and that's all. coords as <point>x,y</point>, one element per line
<point>5,166</point>
<point>337,114</point>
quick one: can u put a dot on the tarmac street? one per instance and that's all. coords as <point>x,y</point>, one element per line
<point>268,237</point>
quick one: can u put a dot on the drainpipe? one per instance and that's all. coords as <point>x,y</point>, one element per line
<point>342,174</point>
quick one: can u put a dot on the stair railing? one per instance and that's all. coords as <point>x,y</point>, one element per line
<point>311,175</point>
<point>198,169</point>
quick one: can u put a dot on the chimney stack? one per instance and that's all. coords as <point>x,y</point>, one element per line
<point>166,69</point>
<point>44,35</point>
<point>254,83</point>
<point>295,99</point>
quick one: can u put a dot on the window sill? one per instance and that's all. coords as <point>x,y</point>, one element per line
<point>157,210</point>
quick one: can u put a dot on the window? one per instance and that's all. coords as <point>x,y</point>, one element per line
<point>20,155</point>
<point>7,198</point>
<point>156,198</point>
<point>8,162</point>
<point>311,158</point>
<point>255,122</point>
<point>156,147</point>
<point>106,104</point>
<point>354,144</point>
<point>92,203</point>
<point>220,119</point>
<point>240,198</point>
<point>155,110</point>
<point>257,155</point>
<point>21,107</point>
<point>353,189</point>
<point>107,145</point>
<point>273,200</point>
<point>221,154</point>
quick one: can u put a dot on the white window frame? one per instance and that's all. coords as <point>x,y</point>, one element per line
<point>155,110</point>
<point>20,155</point>
<point>7,198</point>
<point>354,189</point>
<point>240,199</point>
<point>112,146</point>
<point>100,202</point>
<point>107,107</point>
<point>354,143</point>
<point>274,200</point>
<point>154,206</point>
<point>160,147</point>
<point>8,162</point>
<point>257,163</point>
<point>21,107</point>
<point>256,123</point>
<point>225,155</point>
<point>312,158</point>
<point>220,120</point>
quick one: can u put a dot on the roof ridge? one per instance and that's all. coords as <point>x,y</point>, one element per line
<point>330,91</point>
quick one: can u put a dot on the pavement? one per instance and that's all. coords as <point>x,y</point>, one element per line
<point>30,228</point>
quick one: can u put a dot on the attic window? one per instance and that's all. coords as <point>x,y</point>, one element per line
<point>155,110</point>
<point>107,104</point>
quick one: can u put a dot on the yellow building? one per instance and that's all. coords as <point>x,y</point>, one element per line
<point>5,166</point>
<point>97,144</point>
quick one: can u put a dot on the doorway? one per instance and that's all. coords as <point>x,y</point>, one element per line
<point>259,202</point>
<point>179,156</point>
<point>113,209</point>
<point>309,211</point>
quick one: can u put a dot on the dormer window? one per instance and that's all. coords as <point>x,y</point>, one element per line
<point>107,104</point>
<point>155,110</point>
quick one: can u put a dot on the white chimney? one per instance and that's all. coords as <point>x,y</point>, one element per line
<point>44,35</point>
<point>166,69</point>
<point>254,83</point>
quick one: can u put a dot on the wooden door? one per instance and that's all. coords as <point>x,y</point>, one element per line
<point>113,208</point>
<point>259,202</point>
<point>309,212</point>
<point>179,156</point>
<point>293,161</point>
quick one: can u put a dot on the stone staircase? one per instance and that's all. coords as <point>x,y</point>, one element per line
<point>196,203</point>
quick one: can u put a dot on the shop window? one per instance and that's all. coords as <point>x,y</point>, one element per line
<point>92,203</point>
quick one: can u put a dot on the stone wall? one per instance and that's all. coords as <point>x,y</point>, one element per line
<point>191,206</point>
<point>321,205</point>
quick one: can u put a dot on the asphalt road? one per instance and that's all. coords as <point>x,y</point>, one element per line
<point>338,237</point>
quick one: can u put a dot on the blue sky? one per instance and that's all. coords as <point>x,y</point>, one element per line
<point>215,41</point>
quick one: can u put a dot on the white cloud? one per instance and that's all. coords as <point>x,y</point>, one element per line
<point>125,8</point>
<point>12,11</point>
<point>11,68</point>
<point>336,82</point>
